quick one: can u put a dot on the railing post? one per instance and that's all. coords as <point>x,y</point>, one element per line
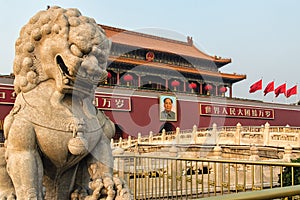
<point>150,137</point>
<point>238,134</point>
<point>139,138</point>
<point>256,172</point>
<point>194,134</point>
<point>267,134</point>
<point>214,133</point>
<point>174,167</point>
<point>134,177</point>
<point>119,166</point>
<point>298,136</point>
<point>177,130</point>
<point>177,135</point>
<point>129,141</point>
<point>173,151</point>
<point>219,175</point>
<point>254,153</point>
<point>120,142</point>
<point>287,156</point>
<point>163,135</point>
<point>112,144</point>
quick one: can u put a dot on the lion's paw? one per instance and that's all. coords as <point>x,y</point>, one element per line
<point>123,191</point>
<point>8,194</point>
<point>109,188</point>
<point>79,194</point>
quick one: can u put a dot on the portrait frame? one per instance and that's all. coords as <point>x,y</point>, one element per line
<point>163,116</point>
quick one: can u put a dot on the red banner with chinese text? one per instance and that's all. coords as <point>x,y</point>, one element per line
<point>119,103</point>
<point>7,94</point>
<point>224,110</point>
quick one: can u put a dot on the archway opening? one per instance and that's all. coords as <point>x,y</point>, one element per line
<point>169,127</point>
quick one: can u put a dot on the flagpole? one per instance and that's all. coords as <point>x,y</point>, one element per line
<point>262,95</point>
<point>286,99</point>
<point>273,98</point>
<point>297,96</point>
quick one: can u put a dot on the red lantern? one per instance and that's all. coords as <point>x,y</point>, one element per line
<point>223,89</point>
<point>108,75</point>
<point>192,85</point>
<point>208,87</point>
<point>175,83</point>
<point>127,77</point>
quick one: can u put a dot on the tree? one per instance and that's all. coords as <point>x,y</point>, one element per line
<point>287,175</point>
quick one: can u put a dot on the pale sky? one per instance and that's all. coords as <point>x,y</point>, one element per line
<point>262,37</point>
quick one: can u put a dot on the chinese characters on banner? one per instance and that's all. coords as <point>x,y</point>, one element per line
<point>105,102</point>
<point>7,95</point>
<point>119,103</point>
<point>236,111</point>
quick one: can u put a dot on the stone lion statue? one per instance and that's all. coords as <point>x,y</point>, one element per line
<point>57,143</point>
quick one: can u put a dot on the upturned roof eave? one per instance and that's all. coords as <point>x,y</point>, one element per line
<point>191,50</point>
<point>233,77</point>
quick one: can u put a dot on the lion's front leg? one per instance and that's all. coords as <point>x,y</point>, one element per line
<point>103,184</point>
<point>24,164</point>
<point>7,190</point>
<point>100,168</point>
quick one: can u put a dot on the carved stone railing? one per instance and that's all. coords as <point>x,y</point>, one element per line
<point>265,135</point>
<point>171,175</point>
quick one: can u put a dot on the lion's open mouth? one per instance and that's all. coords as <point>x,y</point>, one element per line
<point>74,81</point>
<point>62,65</point>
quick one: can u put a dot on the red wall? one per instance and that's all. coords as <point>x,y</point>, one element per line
<point>144,114</point>
<point>4,110</point>
<point>144,117</point>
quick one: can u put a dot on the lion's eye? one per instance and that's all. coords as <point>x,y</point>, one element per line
<point>76,51</point>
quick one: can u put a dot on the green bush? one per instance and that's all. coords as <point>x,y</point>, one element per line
<point>287,175</point>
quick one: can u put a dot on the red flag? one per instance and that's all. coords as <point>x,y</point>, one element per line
<point>291,91</point>
<point>256,86</point>
<point>280,89</point>
<point>269,88</point>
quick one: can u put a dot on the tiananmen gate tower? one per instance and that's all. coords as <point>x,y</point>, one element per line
<point>144,69</point>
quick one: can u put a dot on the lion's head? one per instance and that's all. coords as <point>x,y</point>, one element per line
<point>62,45</point>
